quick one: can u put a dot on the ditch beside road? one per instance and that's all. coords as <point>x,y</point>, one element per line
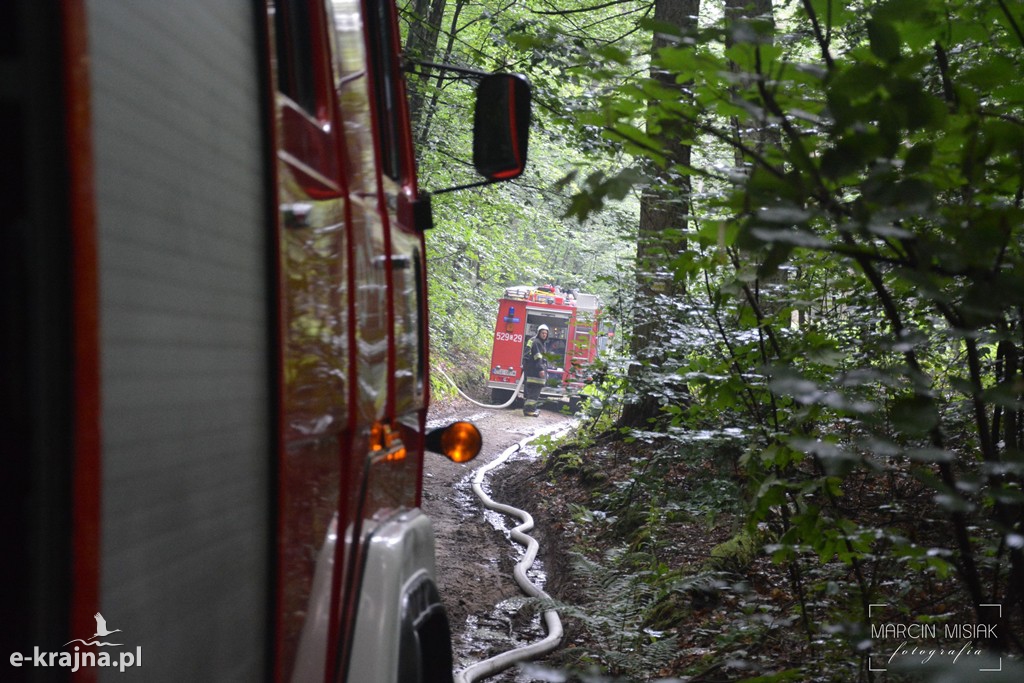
<point>475,557</point>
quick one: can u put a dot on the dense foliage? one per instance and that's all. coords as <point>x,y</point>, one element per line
<point>840,296</point>
<point>489,238</point>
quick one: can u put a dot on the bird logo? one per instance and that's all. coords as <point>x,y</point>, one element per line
<point>101,632</point>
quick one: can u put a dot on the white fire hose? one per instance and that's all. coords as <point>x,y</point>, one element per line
<point>552,622</point>
<point>506,404</point>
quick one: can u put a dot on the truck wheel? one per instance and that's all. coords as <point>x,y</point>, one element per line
<point>500,396</point>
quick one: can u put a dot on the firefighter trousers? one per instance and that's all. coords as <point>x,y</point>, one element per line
<point>531,394</point>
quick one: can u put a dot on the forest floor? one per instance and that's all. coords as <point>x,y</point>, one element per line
<point>661,585</point>
<point>677,600</point>
<point>488,614</point>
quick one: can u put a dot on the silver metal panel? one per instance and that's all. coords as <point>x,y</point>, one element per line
<point>185,376</point>
<point>400,551</point>
<point>587,301</point>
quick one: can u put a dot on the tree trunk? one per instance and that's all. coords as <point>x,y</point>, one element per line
<point>663,214</point>
<point>428,111</point>
<point>764,136</point>
<point>421,45</point>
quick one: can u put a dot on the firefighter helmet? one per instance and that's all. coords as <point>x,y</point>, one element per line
<point>542,328</point>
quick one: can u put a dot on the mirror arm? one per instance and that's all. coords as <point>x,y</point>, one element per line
<point>465,187</point>
<point>409,65</point>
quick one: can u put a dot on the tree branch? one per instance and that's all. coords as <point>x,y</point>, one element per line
<point>566,12</point>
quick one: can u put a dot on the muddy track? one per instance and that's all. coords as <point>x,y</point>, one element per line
<point>474,556</point>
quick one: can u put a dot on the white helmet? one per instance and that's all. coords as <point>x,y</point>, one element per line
<point>542,328</point>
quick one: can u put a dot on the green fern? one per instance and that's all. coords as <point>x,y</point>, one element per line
<point>618,619</point>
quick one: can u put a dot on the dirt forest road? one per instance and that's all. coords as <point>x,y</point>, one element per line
<point>474,558</point>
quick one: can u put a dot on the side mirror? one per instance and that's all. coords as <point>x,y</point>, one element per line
<point>501,126</point>
<point>459,442</point>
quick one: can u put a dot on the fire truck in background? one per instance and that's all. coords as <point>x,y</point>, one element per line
<point>214,344</point>
<point>576,336</point>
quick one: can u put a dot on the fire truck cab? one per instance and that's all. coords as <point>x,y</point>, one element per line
<point>214,342</point>
<point>576,337</point>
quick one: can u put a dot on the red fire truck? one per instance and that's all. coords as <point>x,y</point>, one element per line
<point>214,344</point>
<point>576,335</point>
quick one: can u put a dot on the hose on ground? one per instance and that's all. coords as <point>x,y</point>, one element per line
<point>506,404</point>
<point>552,622</point>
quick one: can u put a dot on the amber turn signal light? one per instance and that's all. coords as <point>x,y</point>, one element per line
<point>459,441</point>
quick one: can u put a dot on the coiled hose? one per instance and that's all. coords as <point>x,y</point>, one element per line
<point>552,622</point>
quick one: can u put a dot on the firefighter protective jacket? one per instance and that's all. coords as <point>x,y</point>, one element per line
<point>533,356</point>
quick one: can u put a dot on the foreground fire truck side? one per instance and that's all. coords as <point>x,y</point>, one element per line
<point>576,336</point>
<point>214,349</point>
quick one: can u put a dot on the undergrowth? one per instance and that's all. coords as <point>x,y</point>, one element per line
<point>674,573</point>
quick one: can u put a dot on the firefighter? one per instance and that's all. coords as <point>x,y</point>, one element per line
<point>534,366</point>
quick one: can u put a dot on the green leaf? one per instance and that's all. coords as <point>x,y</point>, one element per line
<point>919,157</point>
<point>914,415</point>
<point>791,237</point>
<point>931,455</point>
<point>858,82</point>
<point>990,74</point>
<point>623,182</point>
<point>1006,394</point>
<point>885,40</point>
<point>614,53</point>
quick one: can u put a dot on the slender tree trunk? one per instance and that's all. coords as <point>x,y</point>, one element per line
<point>663,215</point>
<point>752,12</point>
<point>428,111</point>
<point>421,45</point>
